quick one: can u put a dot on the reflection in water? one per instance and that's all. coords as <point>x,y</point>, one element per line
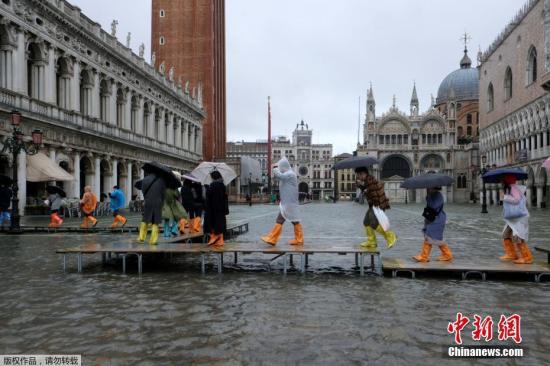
<point>173,315</point>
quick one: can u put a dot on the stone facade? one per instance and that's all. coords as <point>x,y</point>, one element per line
<point>410,144</point>
<point>188,36</point>
<point>311,162</point>
<point>255,150</point>
<point>514,104</point>
<point>104,110</point>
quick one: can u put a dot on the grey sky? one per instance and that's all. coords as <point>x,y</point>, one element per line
<point>315,57</point>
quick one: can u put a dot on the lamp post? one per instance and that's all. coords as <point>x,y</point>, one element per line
<point>15,145</point>
<point>483,171</point>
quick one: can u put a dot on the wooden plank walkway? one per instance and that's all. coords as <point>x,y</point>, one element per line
<point>466,268</point>
<point>233,229</point>
<point>284,250</point>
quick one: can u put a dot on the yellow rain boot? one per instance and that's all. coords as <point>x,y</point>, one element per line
<point>509,251</point>
<point>142,232</point>
<point>389,235</point>
<point>446,254</point>
<point>154,235</point>
<point>274,235</point>
<point>298,235</point>
<point>371,242</point>
<point>525,254</point>
<point>424,255</point>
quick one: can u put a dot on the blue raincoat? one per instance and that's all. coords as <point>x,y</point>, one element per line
<point>118,200</point>
<point>434,230</point>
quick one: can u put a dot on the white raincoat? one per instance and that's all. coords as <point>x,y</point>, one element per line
<point>519,226</point>
<point>288,190</point>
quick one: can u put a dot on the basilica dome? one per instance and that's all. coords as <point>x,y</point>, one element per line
<point>461,84</point>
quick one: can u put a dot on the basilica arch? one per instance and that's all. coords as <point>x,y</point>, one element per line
<point>395,165</point>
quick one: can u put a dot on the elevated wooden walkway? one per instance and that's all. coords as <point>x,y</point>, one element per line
<point>233,229</point>
<point>283,251</point>
<point>465,268</point>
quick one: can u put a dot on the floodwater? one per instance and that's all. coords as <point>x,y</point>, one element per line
<point>173,315</point>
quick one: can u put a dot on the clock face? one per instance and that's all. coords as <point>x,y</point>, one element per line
<point>303,170</point>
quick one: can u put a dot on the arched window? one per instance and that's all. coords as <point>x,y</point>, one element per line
<point>120,110</point>
<point>460,131</point>
<point>104,95</point>
<point>86,86</point>
<point>63,79</point>
<point>469,119</point>
<point>36,65</point>
<point>508,83</point>
<point>161,40</point>
<point>469,131</point>
<point>134,113</point>
<point>162,13</point>
<point>531,65</point>
<point>490,98</point>
<point>146,118</point>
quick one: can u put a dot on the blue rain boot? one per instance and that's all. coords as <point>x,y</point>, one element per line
<point>174,228</point>
<point>166,229</point>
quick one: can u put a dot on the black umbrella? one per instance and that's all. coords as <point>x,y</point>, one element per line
<point>427,180</point>
<point>138,184</point>
<point>5,180</point>
<point>355,162</point>
<point>163,171</point>
<point>56,189</point>
<point>495,175</point>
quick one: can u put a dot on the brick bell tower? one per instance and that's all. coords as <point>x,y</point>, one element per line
<point>190,36</point>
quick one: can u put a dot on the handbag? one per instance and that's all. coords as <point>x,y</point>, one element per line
<point>383,220</point>
<point>430,213</point>
<point>515,211</point>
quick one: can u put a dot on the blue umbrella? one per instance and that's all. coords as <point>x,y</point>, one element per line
<point>495,176</point>
<point>427,180</point>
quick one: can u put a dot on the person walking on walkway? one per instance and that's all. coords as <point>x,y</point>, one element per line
<point>373,191</point>
<point>172,212</point>
<point>88,203</point>
<point>216,208</point>
<point>117,203</point>
<point>54,202</point>
<point>516,217</point>
<point>152,187</point>
<point>191,198</point>
<point>5,201</point>
<point>289,205</point>
<point>434,225</point>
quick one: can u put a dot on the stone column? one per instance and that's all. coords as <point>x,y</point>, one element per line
<point>199,141</point>
<point>184,139</point>
<point>22,181</point>
<point>139,128</point>
<point>419,195</point>
<point>539,196</point>
<point>177,132</point>
<point>127,110</point>
<point>112,104</point>
<point>114,173</point>
<point>50,78</point>
<point>95,110</point>
<point>75,89</point>
<point>19,65</point>
<point>76,175</point>
<point>169,133</point>
<point>129,185</point>
<point>494,191</point>
<point>96,187</point>
<point>529,196</point>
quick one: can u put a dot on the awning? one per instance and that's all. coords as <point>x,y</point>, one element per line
<point>41,168</point>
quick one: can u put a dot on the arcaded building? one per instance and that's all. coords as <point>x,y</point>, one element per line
<point>103,109</point>
<point>188,37</point>
<point>514,102</point>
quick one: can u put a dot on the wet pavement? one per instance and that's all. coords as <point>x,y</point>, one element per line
<point>172,315</point>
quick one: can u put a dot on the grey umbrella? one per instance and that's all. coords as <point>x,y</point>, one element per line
<point>427,180</point>
<point>355,162</point>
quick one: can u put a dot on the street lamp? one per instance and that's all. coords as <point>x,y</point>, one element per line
<point>483,171</point>
<point>15,145</point>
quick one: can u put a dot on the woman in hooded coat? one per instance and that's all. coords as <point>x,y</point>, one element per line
<point>216,208</point>
<point>288,206</point>
<point>516,230</point>
<point>433,230</point>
